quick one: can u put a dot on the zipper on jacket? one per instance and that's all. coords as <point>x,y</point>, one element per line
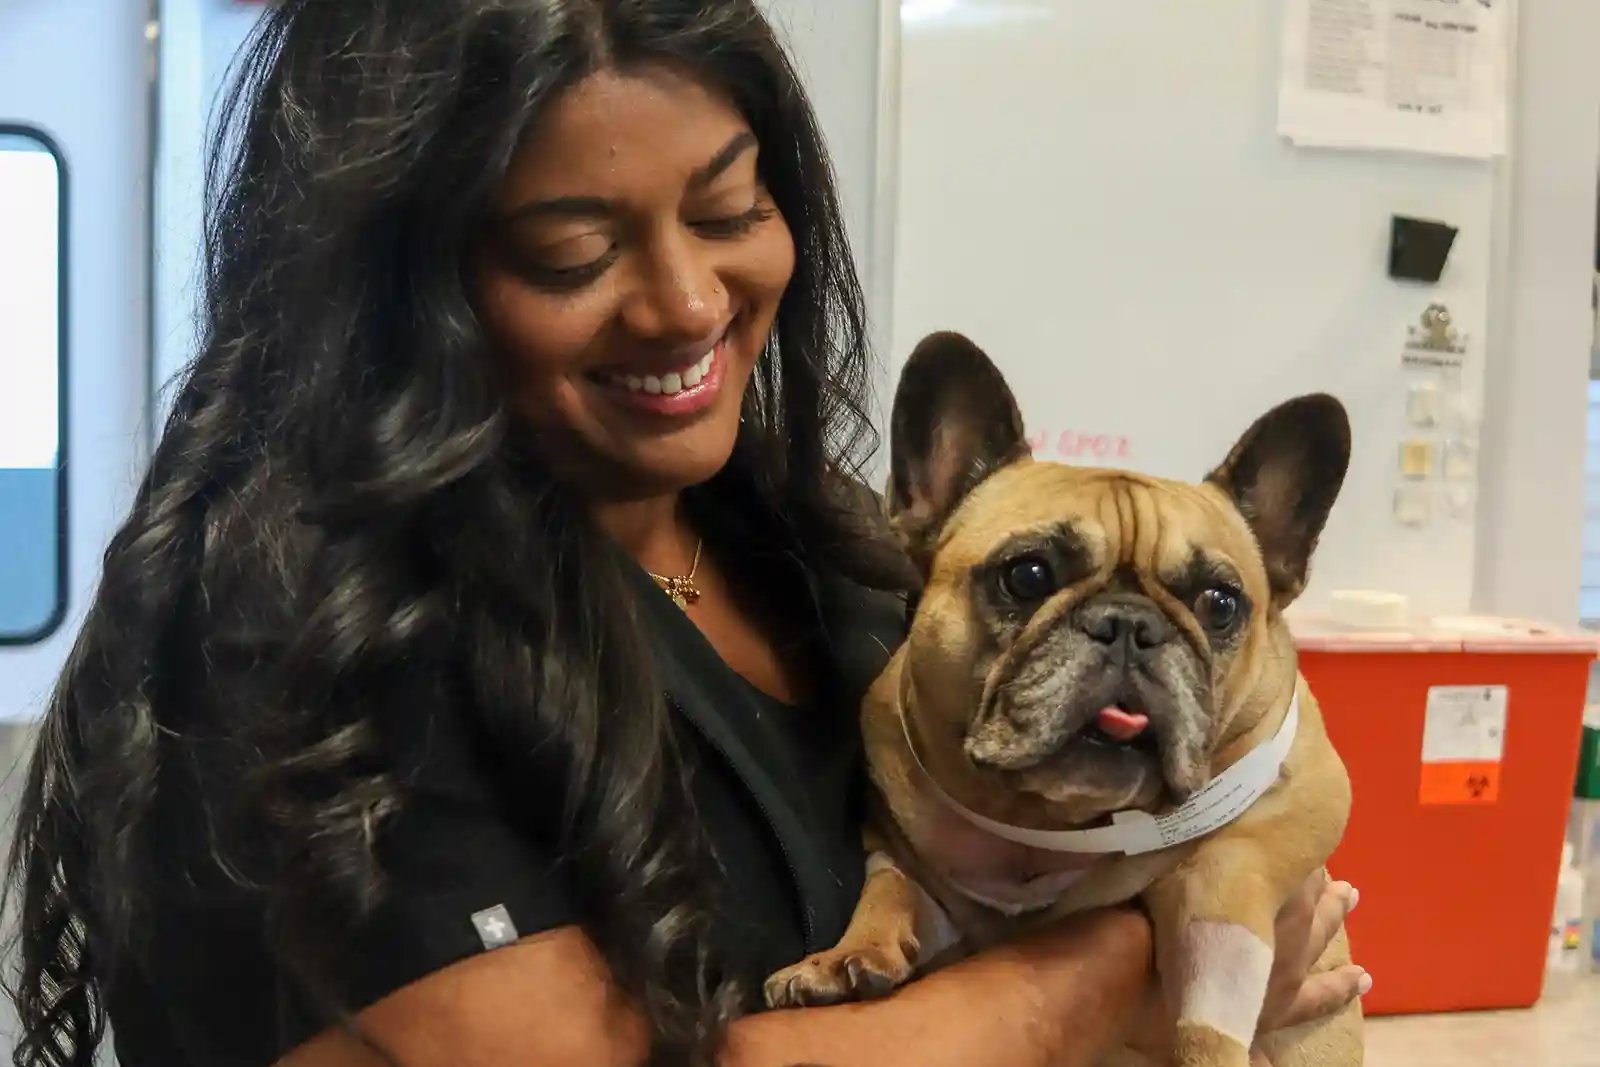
<point>807,921</point>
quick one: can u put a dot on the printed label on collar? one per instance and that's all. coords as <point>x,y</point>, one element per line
<point>1226,798</point>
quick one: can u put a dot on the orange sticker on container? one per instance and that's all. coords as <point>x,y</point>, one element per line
<point>1460,783</point>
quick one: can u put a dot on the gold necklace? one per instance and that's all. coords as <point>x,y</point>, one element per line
<point>681,587</point>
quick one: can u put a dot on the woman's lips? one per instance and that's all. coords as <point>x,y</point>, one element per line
<point>685,390</point>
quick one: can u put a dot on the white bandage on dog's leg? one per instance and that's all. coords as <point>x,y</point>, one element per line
<point>935,931</point>
<point>1225,968</point>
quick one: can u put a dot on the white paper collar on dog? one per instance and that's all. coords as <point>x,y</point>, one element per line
<point>1222,800</point>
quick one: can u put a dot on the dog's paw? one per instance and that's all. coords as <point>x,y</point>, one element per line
<point>841,974</point>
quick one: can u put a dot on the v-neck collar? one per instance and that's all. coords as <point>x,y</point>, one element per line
<point>858,627</point>
<point>706,692</point>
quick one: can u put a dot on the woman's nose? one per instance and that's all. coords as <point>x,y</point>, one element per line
<point>679,295</point>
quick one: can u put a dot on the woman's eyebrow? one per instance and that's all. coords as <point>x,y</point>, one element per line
<point>596,207</point>
<point>577,207</point>
<point>725,158</point>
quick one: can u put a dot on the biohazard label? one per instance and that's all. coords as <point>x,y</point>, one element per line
<point>1463,743</point>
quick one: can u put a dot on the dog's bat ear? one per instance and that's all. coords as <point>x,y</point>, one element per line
<point>955,422</point>
<point>1283,476</point>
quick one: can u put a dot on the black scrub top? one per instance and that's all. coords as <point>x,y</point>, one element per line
<point>778,790</point>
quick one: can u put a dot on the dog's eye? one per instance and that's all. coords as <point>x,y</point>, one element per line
<point>1217,609</point>
<point>1028,578</point>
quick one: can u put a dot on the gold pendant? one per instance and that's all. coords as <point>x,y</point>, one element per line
<point>682,590</point>
<point>681,587</point>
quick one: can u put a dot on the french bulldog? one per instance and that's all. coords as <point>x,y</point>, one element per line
<point>1098,700</point>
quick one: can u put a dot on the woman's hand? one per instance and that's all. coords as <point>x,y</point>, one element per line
<point>1306,927</point>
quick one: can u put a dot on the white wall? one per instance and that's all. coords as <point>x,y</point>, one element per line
<point>1530,534</point>
<point>847,54</point>
<point>836,46</point>
<point>198,43</point>
<point>1098,195</point>
<point>1096,192</point>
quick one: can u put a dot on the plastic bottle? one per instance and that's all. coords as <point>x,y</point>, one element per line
<point>1584,832</point>
<point>1586,817</point>
<point>1565,956</point>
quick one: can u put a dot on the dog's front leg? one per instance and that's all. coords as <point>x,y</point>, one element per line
<point>1213,919</point>
<point>879,950</point>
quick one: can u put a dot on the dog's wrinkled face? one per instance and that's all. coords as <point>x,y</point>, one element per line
<point>1096,614</point>
<point>1086,638</point>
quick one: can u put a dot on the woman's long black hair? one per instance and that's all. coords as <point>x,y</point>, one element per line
<point>339,501</point>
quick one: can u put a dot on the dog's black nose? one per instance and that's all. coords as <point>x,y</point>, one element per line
<point>1131,623</point>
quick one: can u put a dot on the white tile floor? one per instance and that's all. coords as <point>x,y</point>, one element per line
<point>1562,1032</point>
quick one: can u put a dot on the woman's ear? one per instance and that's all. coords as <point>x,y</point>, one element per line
<point>1283,476</point>
<point>955,422</point>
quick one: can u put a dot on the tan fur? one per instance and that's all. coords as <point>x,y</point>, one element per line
<point>1243,873</point>
<point>1199,1045</point>
<point>878,951</point>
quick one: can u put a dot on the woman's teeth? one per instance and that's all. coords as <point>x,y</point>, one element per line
<point>668,384</point>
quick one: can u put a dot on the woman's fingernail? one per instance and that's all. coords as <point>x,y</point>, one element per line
<point>1364,986</point>
<point>1355,898</point>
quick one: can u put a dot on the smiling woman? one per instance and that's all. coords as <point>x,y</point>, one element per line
<point>475,678</point>
<point>32,352</point>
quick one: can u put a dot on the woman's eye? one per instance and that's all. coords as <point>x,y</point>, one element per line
<point>1218,609</point>
<point>559,260</point>
<point>1028,579</point>
<point>568,277</point>
<point>734,225</point>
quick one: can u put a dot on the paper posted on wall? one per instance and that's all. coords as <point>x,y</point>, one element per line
<point>1410,75</point>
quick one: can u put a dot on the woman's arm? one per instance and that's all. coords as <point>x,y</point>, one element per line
<point>1058,999</point>
<point>1061,998</point>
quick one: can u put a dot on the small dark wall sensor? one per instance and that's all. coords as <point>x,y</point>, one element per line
<point>1418,248</point>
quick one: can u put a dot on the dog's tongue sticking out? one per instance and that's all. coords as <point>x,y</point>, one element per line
<point>1120,724</point>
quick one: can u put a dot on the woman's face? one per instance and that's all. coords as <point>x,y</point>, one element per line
<point>632,280</point>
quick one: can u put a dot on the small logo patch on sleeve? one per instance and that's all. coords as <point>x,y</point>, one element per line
<point>494,926</point>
